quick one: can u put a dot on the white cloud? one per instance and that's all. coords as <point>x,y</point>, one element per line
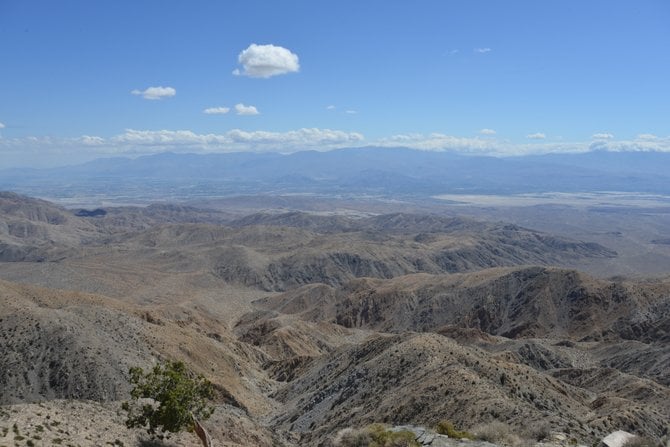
<point>216,110</point>
<point>331,107</point>
<point>482,50</point>
<point>235,140</point>
<point>264,61</point>
<point>602,136</point>
<point>88,140</point>
<point>2,126</point>
<point>478,146</point>
<point>637,145</point>
<point>646,136</point>
<point>536,136</point>
<point>154,93</point>
<point>133,142</point>
<point>241,109</point>
<point>487,132</point>
<point>491,146</point>
<point>351,112</point>
<point>44,151</point>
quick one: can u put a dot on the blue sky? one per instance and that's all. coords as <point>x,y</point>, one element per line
<point>487,77</point>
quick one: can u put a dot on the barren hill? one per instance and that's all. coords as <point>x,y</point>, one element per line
<point>512,302</point>
<point>480,358</point>
<point>429,377</point>
<point>311,323</point>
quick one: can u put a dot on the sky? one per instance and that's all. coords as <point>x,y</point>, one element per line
<point>86,79</point>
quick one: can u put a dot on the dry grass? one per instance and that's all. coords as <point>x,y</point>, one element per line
<point>498,433</point>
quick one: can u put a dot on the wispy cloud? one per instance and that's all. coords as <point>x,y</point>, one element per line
<point>236,140</point>
<point>351,112</point>
<point>331,107</point>
<point>647,136</point>
<point>134,142</point>
<point>487,132</point>
<point>483,50</point>
<point>155,93</point>
<point>536,136</point>
<point>638,144</point>
<point>492,146</point>
<point>2,126</point>
<point>216,110</point>
<point>264,61</point>
<point>602,136</point>
<point>241,109</point>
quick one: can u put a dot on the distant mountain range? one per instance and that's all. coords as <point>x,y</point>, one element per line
<point>371,170</point>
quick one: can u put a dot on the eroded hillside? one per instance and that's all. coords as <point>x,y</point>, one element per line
<point>308,324</point>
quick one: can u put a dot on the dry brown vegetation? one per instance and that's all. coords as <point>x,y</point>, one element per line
<point>310,324</point>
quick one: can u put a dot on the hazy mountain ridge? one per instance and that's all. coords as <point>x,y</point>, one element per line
<point>371,170</point>
<point>293,248</point>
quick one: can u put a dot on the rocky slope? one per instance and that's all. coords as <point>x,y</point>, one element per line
<point>512,302</point>
<point>309,324</point>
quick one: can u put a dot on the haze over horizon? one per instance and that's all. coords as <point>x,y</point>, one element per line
<point>439,223</point>
<point>82,81</point>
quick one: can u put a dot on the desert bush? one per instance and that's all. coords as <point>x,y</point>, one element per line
<point>642,441</point>
<point>350,437</point>
<point>447,428</point>
<point>497,433</point>
<point>538,431</point>
<point>375,435</point>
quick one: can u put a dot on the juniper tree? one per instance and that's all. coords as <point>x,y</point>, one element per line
<point>168,399</point>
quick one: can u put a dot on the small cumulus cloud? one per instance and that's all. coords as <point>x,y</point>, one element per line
<point>331,107</point>
<point>2,126</point>
<point>602,136</point>
<point>487,132</point>
<point>216,110</point>
<point>264,61</point>
<point>88,140</point>
<point>155,93</point>
<point>482,50</point>
<point>241,109</point>
<point>536,136</point>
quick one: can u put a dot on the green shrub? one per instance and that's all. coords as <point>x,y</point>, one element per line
<point>177,394</point>
<point>447,428</point>
<point>382,437</point>
<point>375,435</point>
